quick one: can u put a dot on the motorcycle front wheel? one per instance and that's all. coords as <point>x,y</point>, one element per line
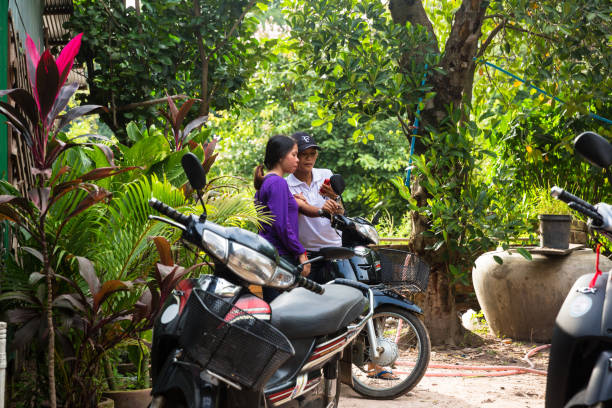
<point>403,359</point>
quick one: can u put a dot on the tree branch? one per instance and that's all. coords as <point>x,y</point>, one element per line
<point>523,30</point>
<point>247,8</point>
<point>491,36</point>
<point>149,103</point>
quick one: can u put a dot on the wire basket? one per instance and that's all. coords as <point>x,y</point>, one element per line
<point>232,343</point>
<point>403,270</point>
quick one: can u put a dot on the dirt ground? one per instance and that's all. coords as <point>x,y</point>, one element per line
<point>475,390</point>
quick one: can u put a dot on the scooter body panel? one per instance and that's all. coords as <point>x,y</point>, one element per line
<point>581,336</point>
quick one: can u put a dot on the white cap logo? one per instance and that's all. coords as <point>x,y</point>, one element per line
<point>306,139</point>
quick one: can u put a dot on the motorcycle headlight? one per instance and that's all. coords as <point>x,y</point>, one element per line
<point>250,265</point>
<point>216,245</point>
<point>282,279</point>
<point>368,231</point>
<point>362,251</point>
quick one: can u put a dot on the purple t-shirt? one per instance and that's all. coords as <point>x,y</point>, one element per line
<point>274,194</point>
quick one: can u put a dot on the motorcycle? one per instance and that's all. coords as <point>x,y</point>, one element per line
<point>217,345</point>
<point>580,364</point>
<point>396,342</point>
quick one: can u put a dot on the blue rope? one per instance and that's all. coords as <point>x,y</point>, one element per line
<point>414,132</point>
<point>510,74</point>
<point>594,116</point>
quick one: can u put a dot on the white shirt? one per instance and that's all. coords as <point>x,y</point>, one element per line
<point>315,233</point>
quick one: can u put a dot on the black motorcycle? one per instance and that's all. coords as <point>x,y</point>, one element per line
<point>392,355</point>
<point>580,365</point>
<point>217,345</point>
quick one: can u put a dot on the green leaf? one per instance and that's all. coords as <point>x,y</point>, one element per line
<point>524,253</point>
<point>498,259</point>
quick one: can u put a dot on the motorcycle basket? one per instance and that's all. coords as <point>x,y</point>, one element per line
<point>232,343</point>
<point>403,270</point>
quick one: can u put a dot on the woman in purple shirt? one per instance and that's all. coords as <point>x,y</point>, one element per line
<point>273,193</point>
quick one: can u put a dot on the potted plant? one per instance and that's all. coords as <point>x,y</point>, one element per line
<point>555,221</point>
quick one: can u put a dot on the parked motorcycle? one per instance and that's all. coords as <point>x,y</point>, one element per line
<point>580,365</point>
<point>217,345</point>
<point>392,355</point>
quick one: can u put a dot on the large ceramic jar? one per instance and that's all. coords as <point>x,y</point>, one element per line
<point>521,298</point>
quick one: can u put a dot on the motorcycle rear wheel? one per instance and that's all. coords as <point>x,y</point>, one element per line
<point>413,352</point>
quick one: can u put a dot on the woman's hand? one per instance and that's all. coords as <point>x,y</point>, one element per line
<point>300,197</point>
<point>303,258</point>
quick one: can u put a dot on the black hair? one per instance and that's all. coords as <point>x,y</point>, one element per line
<point>278,146</point>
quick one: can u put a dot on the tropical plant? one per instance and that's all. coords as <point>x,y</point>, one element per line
<point>72,192</point>
<point>94,318</point>
<point>175,117</point>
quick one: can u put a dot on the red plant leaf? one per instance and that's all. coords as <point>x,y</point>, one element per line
<point>164,250</point>
<point>15,118</point>
<point>197,122</point>
<point>47,84</point>
<point>63,96</point>
<point>26,136</point>
<point>173,110</point>
<point>60,173</point>
<point>87,271</point>
<point>92,198</point>
<point>25,101</point>
<point>8,213</point>
<point>108,288</point>
<point>71,301</point>
<point>34,252</point>
<point>66,58</point>
<point>107,152</point>
<point>40,197</point>
<point>209,162</point>
<point>26,334</point>
<point>33,59</point>
<point>78,111</point>
<point>18,316</point>
<point>210,148</point>
<point>103,172</point>
<point>182,113</point>
<point>46,172</point>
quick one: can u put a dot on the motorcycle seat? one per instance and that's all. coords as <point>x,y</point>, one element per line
<point>301,313</point>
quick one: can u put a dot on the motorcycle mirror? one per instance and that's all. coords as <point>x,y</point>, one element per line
<point>194,171</point>
<point>594,148</point>
<point>376,217</point>
<point>336,253</point>
<point>337,183</point>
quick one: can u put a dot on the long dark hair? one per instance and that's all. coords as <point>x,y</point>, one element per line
<point>278,146</point>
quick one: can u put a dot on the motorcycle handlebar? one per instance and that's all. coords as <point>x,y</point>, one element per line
<point>169,212</point>
<point>578,204</point>
<point>563,195</point>
<point>311,285</point>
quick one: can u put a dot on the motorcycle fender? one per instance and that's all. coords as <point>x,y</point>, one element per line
<point>175,377</point>
<point>383,299</point>
<point>599,388</point>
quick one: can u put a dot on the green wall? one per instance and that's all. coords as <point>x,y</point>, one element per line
<point>3,80</point>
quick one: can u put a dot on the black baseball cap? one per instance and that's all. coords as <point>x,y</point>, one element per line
<point>304,141</point>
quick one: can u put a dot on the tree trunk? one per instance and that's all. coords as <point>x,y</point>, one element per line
<point>49,306</point>
<point>450,88</point>
<point>205,103</point>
